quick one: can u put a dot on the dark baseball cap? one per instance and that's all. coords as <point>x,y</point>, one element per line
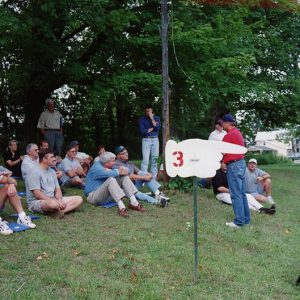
<point>74,143</point>
<point>119,149</point>
<point>228,118</point>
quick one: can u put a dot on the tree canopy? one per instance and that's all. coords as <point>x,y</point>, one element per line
<point>102,61</point>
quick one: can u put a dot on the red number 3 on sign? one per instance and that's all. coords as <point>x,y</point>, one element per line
<point>179,158</point>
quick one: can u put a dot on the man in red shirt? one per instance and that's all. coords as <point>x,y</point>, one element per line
<point>236,168</point>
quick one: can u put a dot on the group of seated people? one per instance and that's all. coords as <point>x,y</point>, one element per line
<point>257,185</point>
<point>109,177</point>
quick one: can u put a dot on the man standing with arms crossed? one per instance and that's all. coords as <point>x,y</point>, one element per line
<point>236,168</point>
<point>149,125</point>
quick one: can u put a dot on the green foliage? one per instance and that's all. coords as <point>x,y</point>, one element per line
<point>180,184</point>
<point>108,55</point>
<point>267,158</point>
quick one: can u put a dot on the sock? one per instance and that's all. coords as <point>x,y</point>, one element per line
<point>157,193</point>
<point>133,201</point>
<point>270,200</point>
<point>121,204</point>
<point>22,215</point>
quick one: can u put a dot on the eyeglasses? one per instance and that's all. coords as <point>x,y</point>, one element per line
<point>37,150</point>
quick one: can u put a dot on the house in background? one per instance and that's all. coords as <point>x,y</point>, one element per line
<point>268,141</point>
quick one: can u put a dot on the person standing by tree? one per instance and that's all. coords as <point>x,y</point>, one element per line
<point>50,125</point>
<point>149,125</point>
<point>236,167</point>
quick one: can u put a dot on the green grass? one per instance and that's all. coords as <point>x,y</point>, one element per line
<point>94,254</point>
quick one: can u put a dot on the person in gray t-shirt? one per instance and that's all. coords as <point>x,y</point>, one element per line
<point>43,192</point>
<point>73,172</point>
<point>258,183</point>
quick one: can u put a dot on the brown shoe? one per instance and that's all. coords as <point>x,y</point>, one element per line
<point>139,207</point>
<point>123,213</point>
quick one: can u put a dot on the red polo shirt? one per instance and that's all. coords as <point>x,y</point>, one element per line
<point>233,136</point>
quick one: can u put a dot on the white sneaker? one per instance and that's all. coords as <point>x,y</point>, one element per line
<point>232,225</point>
<point>26,221</point>
<point>4,229</point>
<point>162,196</point>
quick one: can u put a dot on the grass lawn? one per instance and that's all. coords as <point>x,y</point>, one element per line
<point>95,254</point>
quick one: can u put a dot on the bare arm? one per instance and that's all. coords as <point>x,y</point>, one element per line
<point>140,177</point>
<point>12,163</point>
<point>38,194</point>
<point>223,189</point>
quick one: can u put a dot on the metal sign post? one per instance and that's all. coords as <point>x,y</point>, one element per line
<point>196,264</point>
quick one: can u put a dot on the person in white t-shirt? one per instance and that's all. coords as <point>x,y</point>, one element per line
<point>218,133</point>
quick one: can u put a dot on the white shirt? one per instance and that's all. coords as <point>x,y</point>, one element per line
<point>217,135</point>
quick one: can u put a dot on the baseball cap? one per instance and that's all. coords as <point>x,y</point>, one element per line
<point>119,149</point>
<point>74,143</point>
<point>253,160</point>
<point>228,118</point>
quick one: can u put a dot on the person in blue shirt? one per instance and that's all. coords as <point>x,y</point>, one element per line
<point>149,125</point>
<point>104,184</point>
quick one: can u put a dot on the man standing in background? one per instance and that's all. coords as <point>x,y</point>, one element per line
<point>149,125</point>
<point>50,125</point>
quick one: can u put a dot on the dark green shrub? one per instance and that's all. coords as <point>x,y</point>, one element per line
<point>266,158</point>
<point>180,184</point>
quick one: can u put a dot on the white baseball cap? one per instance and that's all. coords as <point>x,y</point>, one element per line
<point>253,160</point>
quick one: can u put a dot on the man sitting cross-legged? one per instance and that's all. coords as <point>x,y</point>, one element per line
<point>8,192</point>
<point>139,178</point>
<point>43,192</point>
<point>221,190</point>
<point>104,184</point>
<point>74,174</point>
<point>258,183</point>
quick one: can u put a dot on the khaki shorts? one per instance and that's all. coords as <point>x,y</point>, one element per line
<point>36,206</point>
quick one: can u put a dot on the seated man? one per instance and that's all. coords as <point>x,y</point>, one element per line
<point>258,183</point>
<point>139,177</point>
<point>8,192</point>
<point>104,184</point>
<point>30,160</point>
<point>84,159</point>
<point>43,192</point>
<point>45,145</point>
<point>73,175</point>
<point>220,187</point>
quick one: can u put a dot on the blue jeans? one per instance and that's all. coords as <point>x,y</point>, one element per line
<point>150,149</point>
<point>236,184</point>
<point>152,184</point>
<point>55,140</point>
<point>145,197</point>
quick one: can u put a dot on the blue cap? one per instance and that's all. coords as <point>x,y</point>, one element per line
<point>119,149</point>
<point>228,118</point>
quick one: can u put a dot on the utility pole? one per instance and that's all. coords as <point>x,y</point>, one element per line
<point>165,74</point>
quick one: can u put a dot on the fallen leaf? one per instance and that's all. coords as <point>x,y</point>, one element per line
<point>133,276</point>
